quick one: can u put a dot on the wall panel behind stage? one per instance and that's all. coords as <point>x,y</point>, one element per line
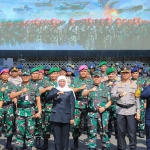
<point>75,25</point>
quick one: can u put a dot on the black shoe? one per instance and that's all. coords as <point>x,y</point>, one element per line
<point>141,135</point>
<point>38,143</point>
<point>45,145</point>
<point>92,148</point>
<point>18,148</point>
<point>105,148</point>
<point>29,148</point>
<point>8,144</point>
<point>24,146</point>
<point>75,144</point>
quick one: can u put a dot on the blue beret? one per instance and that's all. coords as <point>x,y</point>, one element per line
<point>20,67</point>
<point>1,69</point>
<point>134,70</point>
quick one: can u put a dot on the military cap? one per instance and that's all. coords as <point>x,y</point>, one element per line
<point>40,67</point>
<point>83,67</point>
<point>26,72</point>
<point>102,63</point>
<point>1,69</point>
<point>4,71</point>
<point>47,67</point>
<point>14,69</point>
<point>64,68</point>
<point>19,66</point>
<point>34,70</point>
<point>53,70</point>
<point>69,69</point>
<point>134,70</point>
<point>125,69</point>
<point>57,69</point>
<point>96,73</point>
<point>110,70</point>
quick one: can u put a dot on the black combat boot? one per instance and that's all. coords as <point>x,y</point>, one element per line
<point>105,148</point>
<point>38,143</point>
<point>141,134</point>
<point>8,144</point>
<point>45,145</point>
<point>29,148</point>
<point>75,144</point>
<point>18,148</point>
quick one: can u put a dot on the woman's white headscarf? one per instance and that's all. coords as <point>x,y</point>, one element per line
<point>65,88</point>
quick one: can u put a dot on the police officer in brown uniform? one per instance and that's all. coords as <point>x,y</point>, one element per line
<point>127,109</point>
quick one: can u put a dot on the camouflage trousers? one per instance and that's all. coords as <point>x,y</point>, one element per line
<point>38,127</point>
<point>112,119</point>
<point>94,120</point>
<point>46,125</point>
<point>141,123</point>
<point>24,130</point>
<point>80,115</point>
<point>7,118</point>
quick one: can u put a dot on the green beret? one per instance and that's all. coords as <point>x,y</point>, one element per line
<point>26,72</point>
<point>103,63</point>
<point>58,69</point>
<point>110,70</point>
<point>97,73</point>
<point>53,70</point>
<point>41,67</point>
<point>34,70</point>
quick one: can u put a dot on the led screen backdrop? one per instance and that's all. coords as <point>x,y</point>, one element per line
<point>75,25</point>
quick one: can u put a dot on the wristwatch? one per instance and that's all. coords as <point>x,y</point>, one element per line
<point>39,112</point>
<point>105,107</point>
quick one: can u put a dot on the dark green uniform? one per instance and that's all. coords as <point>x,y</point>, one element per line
<point>80,105</point>
<point>112,110</point>
<point>142,83</point>
<point>98,98</point>
<point>46,108</point>
<point>25,123</point>
<point>7,111</point>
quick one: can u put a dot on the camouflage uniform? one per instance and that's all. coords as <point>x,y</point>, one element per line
<point>38,121</point>
<point>112,110</point>
<point>98,98</point>
<point>7,110</point>
<point>80,105</point>
<point>46,109</point>
<point>25,123</point>
<point>1,114</point>
<point>142,83</point>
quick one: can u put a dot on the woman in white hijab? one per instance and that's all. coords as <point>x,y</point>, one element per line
<point>62,112</point>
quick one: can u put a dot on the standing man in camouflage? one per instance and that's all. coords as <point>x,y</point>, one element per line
<point>45,86</point>
<point>28,96</point>
<point>103,68</point>
<point>98,114</point>
<point>127,108</point>
<point>38,121</point>
<point>142,83</point>
<point>7,109</point>
<point>78,85</point>
<point>111,73</point>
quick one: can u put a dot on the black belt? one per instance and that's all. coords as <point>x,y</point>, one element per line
<point>7,103</point>
<point>82,99</point>
<point>125,106</point>
<point>25,106</point>
<point>96,111</point>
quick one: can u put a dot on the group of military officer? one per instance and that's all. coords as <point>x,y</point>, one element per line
<point>99,93</point>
